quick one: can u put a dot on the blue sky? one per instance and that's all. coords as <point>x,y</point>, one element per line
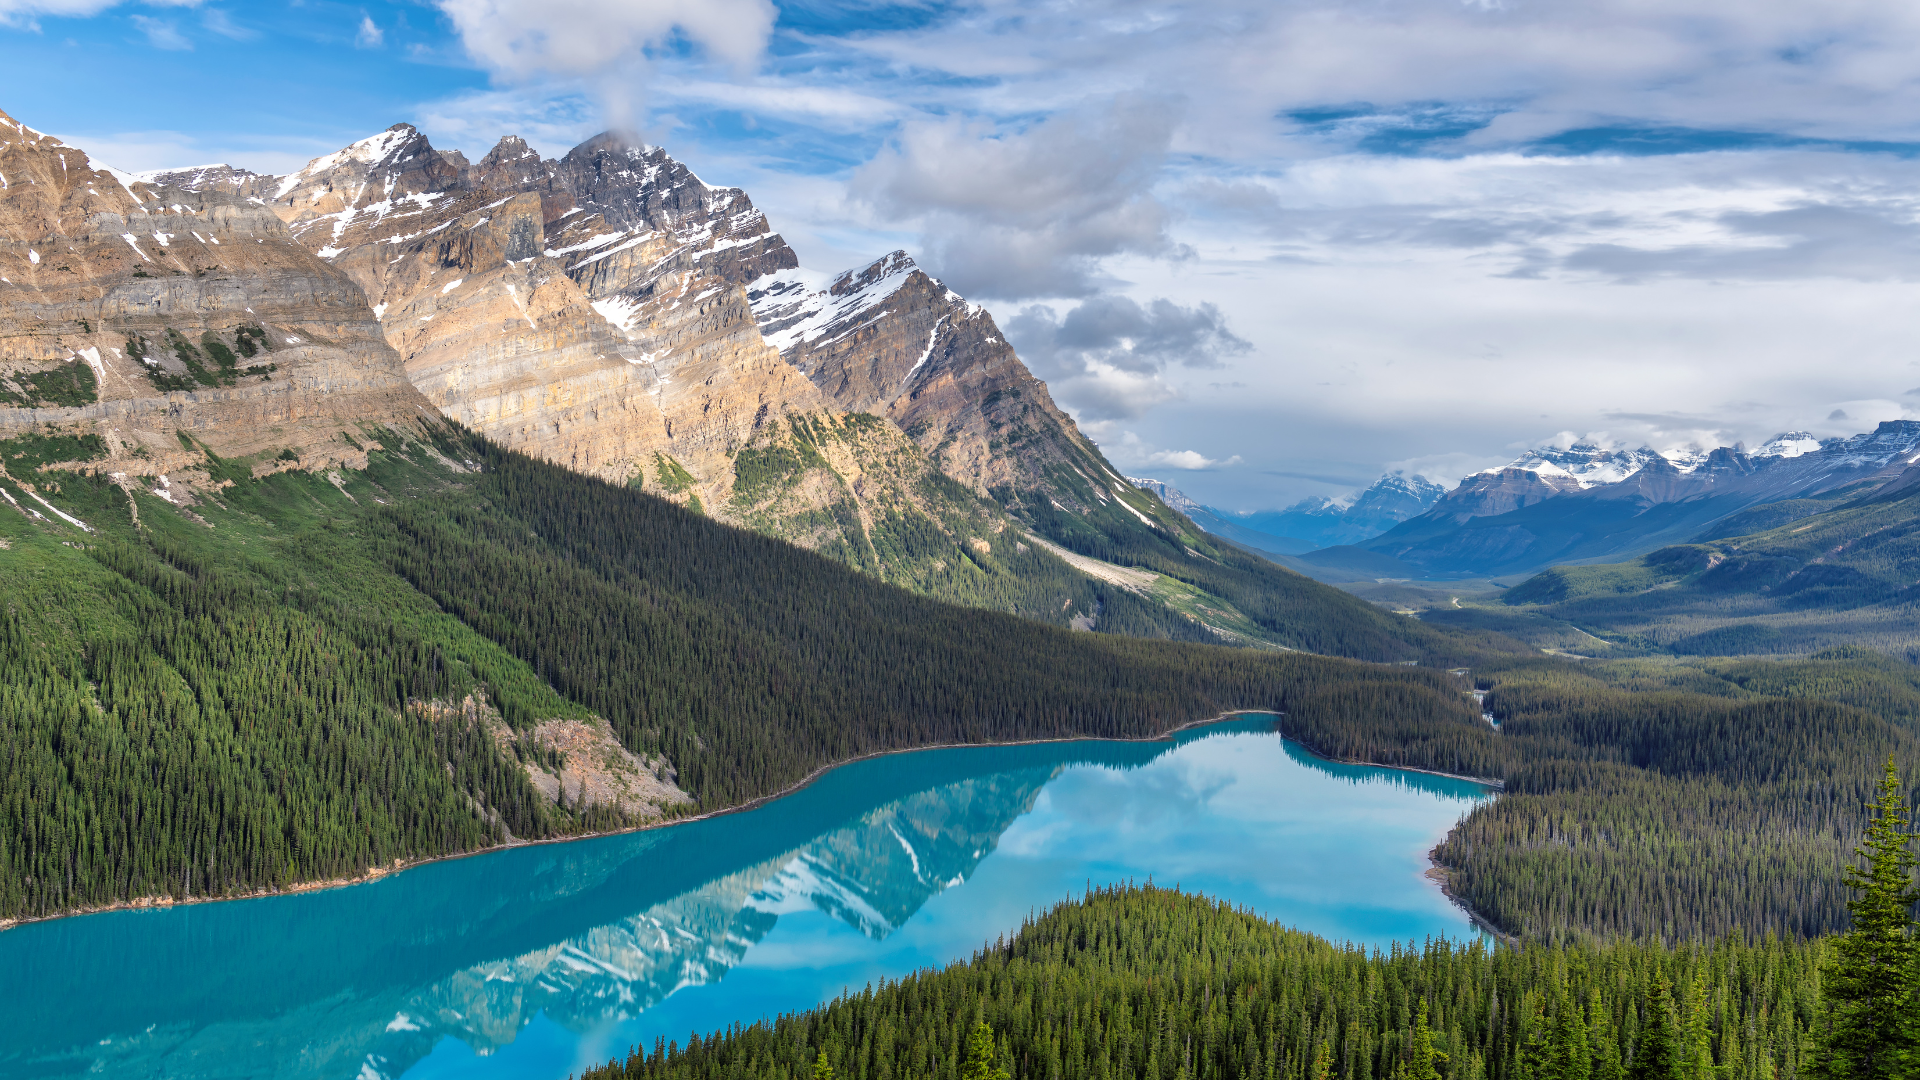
<point>1263,250</point>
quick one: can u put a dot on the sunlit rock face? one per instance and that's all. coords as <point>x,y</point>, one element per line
<point>590,310</point>
<point>150,316</point>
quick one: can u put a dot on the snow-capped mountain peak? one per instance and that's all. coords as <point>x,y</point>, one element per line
<point>1787,444</point>
<point>1585,464</point>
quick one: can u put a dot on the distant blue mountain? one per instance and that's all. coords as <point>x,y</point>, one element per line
<point>1311,523</point>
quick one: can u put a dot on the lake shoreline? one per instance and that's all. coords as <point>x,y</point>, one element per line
<point>380,872</point>
<point>373,874</point>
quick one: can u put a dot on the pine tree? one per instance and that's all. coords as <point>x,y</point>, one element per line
<point>1696,1041</point>
<point>1872,1028</point>
<point>1537,1045</point>
<point>981,1056</point>
<point>1656,1055</point>
<point>1572,1053</point>
<point>822,1069</point>
<point>1323,1061</point>
<point>1424,1062</point>
<point>1601,1037</point>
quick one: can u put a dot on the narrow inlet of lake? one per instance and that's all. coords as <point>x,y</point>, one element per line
<point>539,961</point>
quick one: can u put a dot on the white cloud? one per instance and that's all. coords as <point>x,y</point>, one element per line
<point>22,13</point>
<point>1128,451</point>
<point>370,36</point>
<point>1027,213</point>
<point>605,42</point>
<point>221,23</point>
<point>1106,357</point>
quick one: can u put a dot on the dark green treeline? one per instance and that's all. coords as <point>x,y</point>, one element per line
<point>1653,814</point>
<point>1157,985</point>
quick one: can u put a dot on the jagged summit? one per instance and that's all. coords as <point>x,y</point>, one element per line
<point>890,339</point>
<point>1583,464</point>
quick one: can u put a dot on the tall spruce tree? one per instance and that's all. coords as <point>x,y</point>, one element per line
<point>1606,1046</point>
<point>982,1062</point>
<point>1871,982</point>
<point>1696,1039</point>
<point>1572,1054</point>
<point>1656,1054</point>
<point>1423,1061</point>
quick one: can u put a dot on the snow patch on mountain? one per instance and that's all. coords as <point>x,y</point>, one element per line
<point>1169,494</point>
<point>792,307</point>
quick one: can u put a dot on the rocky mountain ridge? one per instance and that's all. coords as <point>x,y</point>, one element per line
<point>589,310</point>
<point>890,339</point>
<point>611,312</point>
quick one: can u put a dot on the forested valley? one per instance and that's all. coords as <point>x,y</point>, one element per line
<point>241,697</point>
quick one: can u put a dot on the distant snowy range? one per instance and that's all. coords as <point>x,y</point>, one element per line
<point>1567,501</point>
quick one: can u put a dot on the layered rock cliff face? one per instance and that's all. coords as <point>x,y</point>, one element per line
<point>147,321</point>
<point>590,310</point>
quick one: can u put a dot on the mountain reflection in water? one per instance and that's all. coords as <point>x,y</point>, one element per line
<point>568,946</point>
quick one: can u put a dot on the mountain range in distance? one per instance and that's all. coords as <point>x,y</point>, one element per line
<point>1570,505</point>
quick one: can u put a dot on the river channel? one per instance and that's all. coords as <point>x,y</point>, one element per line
<point>537,961</point>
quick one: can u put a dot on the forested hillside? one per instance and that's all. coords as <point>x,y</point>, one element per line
<point>1794,579</point>
<point>1647,801</point>
<point>1154,984</point>
<point>257,691</point>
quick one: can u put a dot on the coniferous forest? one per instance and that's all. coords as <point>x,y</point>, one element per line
<point>1159,985</point>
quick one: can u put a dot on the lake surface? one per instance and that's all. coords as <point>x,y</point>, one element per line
<point>539,961</point>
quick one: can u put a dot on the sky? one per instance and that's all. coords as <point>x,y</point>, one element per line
<point>1260,249</point>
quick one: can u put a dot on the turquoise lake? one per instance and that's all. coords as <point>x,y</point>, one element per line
<point>538,961</point>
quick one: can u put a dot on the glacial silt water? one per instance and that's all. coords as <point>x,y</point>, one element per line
<point>540,960</point>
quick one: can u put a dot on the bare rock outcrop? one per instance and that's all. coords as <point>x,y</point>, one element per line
<point>148,314</point>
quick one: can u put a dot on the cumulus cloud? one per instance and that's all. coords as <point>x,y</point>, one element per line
<point>606,42</point>
<point>1030,212</point>
<point>370,35</point>
<point>1107,357</point>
